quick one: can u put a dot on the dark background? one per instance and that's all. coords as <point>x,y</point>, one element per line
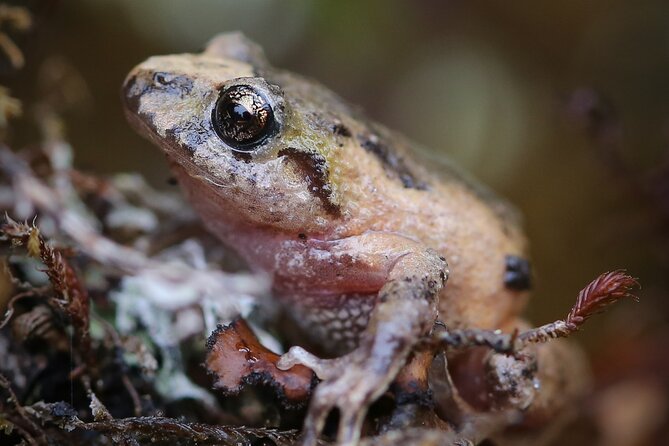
<point>562,107</point>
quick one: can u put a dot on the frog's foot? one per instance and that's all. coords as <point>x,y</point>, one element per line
<point>350,384</point>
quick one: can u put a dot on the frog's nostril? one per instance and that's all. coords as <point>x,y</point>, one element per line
<point>517,275</point>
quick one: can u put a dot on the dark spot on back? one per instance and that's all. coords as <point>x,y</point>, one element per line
<point>517,275</point>
<point>315,168</point>
<point>393,164</point>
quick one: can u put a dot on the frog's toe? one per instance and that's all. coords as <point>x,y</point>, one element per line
<point>349,392</point>
<point>350,425</point>
<point>325,369</point>
<point>330,395</point>
<point>314,422</point>
<point>324,400</point>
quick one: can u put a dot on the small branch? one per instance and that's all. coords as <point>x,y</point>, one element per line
<point>157,429</point>
<point>12,51</point>
<point>134,396</point>
<point>9,312</point>
<point>18,18</point>
<point>5,384</point>
<point>160,430</point>
<point>127,383</point>
<point>473,337</point>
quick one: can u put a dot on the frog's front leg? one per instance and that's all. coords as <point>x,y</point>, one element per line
<point>406,309</point>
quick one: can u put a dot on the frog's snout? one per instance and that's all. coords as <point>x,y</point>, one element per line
<point>139,83</point>
<point>130,94</point>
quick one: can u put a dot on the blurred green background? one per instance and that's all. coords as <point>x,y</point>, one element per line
<point>486,83</point>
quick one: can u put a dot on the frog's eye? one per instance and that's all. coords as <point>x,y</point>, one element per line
<point>243,117</point>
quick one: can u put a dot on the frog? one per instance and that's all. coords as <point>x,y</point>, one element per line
<point>367,243</point>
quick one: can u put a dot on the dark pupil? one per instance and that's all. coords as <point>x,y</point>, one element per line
<point>240,113</point>
<point>243,117</point>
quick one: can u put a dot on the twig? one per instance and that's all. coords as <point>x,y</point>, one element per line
<point>19,18</point>
<point>10,306</point>
<point>473,337</point>
<point>134,396</point>
<point>161,430</point>
<point>5,384</point>
<point>158,429</point>
<point>118,345</point>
